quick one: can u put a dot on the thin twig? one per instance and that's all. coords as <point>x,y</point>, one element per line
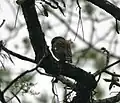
<point>79,37</point>
<point>44,73</point>
<point>18,77</point>
<point>105,68</point>
<point>16,16</point>
<point>18,55</point>
<point>112,74</point>
<point>2,23</point>
<point>16,97</point>
<point>21,75</point>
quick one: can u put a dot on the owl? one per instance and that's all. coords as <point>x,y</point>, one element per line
<point>61,49</point>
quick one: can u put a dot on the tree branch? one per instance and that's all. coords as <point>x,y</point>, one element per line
<point>22,74</point>
<point>108,7</point>
<point>102,70</point>
<point>17,55</point>
<point>2,99</point>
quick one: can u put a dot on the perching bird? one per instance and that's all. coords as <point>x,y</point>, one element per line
<point>61,49</point>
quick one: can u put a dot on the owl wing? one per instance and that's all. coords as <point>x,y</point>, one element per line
<point>68,52</point>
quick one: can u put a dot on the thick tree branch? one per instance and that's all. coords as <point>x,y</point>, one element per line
<point>35,31</point>
<point>108,7</point>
